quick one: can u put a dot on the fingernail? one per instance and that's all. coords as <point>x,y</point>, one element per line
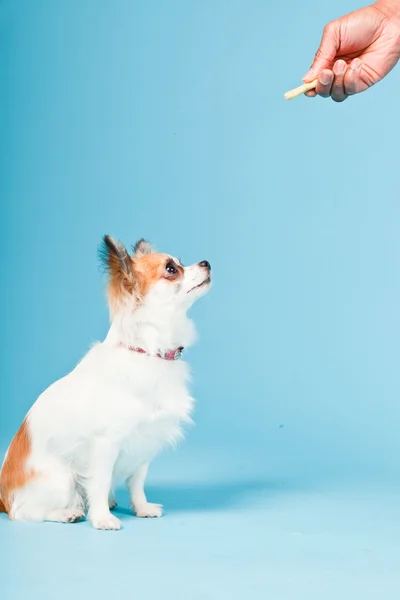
<point>339,67</point>
<point>308,76</point>
<point>325,77</point>
<point>356,65</point>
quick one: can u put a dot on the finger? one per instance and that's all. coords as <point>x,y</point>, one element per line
<point>352,77</point>
<point>324,85</point>
<point>337,93</point>
<point>311,94</point>
<point>326,53</point>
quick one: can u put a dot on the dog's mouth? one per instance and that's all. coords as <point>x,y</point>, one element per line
<point>205,282</point>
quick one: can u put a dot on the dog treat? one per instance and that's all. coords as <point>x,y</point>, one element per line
<point>302,89</point>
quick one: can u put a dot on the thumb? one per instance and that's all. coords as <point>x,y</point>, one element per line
<point>326,53</point>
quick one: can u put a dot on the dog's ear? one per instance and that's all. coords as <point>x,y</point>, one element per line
<point>114,256</point>
<point>122,278</point>
<point>142,248</point>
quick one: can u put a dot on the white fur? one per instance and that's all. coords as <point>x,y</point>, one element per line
<point>105,421</point>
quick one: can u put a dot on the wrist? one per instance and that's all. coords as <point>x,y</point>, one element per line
<point>390,8</point>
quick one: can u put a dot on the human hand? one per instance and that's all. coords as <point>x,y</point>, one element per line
<point>357,51</point>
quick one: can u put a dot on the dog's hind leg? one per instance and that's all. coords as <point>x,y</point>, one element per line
<point>53,495</point>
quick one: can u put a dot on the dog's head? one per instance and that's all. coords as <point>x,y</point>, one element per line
<point>149,277</point>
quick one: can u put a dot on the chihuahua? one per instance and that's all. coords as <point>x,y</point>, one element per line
<point>126,399</point>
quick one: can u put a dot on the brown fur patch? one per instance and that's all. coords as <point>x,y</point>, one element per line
<point>118,288</point>
<point>150,268</point>
<point>14,474</point>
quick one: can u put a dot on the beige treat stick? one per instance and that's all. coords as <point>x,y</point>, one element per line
<point>302,89</point>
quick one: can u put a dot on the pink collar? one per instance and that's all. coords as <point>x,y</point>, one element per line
<point>168,355</point>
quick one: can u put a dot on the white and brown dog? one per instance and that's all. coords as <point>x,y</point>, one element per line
<point>127,399</point>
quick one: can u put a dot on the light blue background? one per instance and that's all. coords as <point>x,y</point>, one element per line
<point>166,119</point>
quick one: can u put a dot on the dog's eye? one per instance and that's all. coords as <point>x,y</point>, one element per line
<point>171,269</point>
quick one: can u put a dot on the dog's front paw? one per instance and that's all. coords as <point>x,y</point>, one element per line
<point>147,509</point>
<point>105,522</point>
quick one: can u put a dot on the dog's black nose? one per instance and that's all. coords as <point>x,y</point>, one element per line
<point>205,264</point>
